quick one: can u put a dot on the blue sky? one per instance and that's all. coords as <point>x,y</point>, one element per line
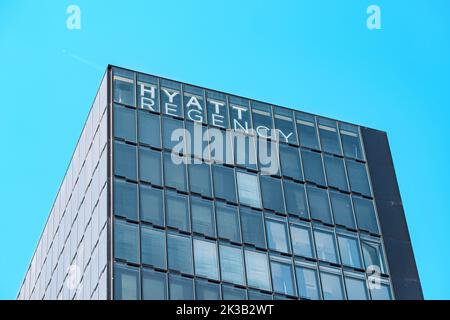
<point>317,56</point>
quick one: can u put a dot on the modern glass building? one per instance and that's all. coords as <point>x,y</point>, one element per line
<point>180,192</point>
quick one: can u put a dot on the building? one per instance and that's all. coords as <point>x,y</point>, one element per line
<point>181,192</point>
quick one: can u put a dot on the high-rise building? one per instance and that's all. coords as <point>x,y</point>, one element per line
<point>180,192</point>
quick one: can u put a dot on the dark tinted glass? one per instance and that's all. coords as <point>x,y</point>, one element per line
<point>177,211</point>
<point>149,129</point>
<point>206,290</point>
<point>224,183</point>
<point>181,288</point>
<point>151,205</point>
<point>272,194</point>
<point>126,283</point>
<point>252,227</point>
<point>179,250</point>
<point>125,160</point>
<point>175,172</point>
<point>290,162</point>
<point>342,209</point>
<point>150,166</point>
<point>365,214</point>
<point>125,199</point>
<point>334,167</point>
<point>153,244</point>
<point>200,179</point>
<point>318,204</point>
<point>126,241</point>
<point>312,165</point>
<point>228,222</point>
<point>124,123</point>
<point>202,217</point>
<point>295,199</point>
<point>357,175</point>
<point>329,140</point>
<point>172,126</point>
<point>233,293</point>
<point>154,285</point>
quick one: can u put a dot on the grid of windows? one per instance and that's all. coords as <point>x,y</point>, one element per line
<point>222,224</point>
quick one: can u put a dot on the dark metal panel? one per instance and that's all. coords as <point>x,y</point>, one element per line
<point>397,242</point>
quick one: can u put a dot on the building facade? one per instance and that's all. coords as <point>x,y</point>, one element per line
<point>180,192</point>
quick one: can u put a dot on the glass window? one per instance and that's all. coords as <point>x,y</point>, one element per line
<point>349,249</point>
<point>154,285</point>
<point>373,255</point>
<point>149,129</point>
<point>350,141</point>
<point>290,162</point>
<point>179,253</point>
<point>194,104</point>
<point>200,179</point>
<point>124,123</point>
<point>357,176</point>
<point>125,199</point>
<point>171,98</point>
<point>342,209</point>
<point>124,88</point>
<point>307,283</point>
<point>268,157</point>
<point>228,222</point>
<point>205,290</point>
<point>282,278</point>
<point>150,166</point>
<point>332,286</point>
<point>181,288</point>
<point>224,184</point>
<point>356,288</point>
<point>325,246</point>
<point>239,110</point>
<point>258,295</point>
<point>205,257</point>
<point>217,109</point>
<point>125,160</point>
<point>196,140</point>
<point>302,243</point>
<point>312,165</point>
<point>126,241</point>
<point>175,172</point>
<point>233,293</point>
<point>220,143</point>
<point>365,214</point>
<point>177,211</point>
<point>172,133</point>
<point>284,123</point>
<point>244,150</point>
<point>153,243</point>
<point>272,194</point>
<point>202,217</point>
<point>126,283</point>
<point>257,268</point>
<point>295,199</point>
<point>147,92</point>
<point>336,177</point>
<point>307,132</point>
<point>277,236</point>
<point>231,264</point>
<point>318,204</point>
<point>248,189</point>
<point>329,138</point>
<point>383,292</point>
<point>262,119</point>
<point>151,205</point>
<point>252,227</point>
